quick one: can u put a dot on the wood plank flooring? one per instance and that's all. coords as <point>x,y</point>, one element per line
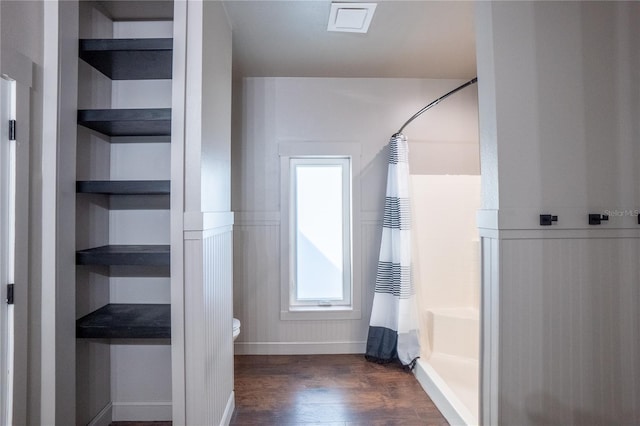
<point>328,390</point>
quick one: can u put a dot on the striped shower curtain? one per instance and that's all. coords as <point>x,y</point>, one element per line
<point>393,328</point>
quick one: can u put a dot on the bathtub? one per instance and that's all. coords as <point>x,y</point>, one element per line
<point>449,368</point>
<point>446,260</point>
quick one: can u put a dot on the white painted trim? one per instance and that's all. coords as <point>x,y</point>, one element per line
<point>9,193</point>
<point>371,217</point>
<point>536,234</point>
<point>491,254</point>
<point>257,218</point>
<point>103,418</point>
<point>318,148</point>
<point>290,149</point>
<point>22,258</point>
<point>229,409</point>
<point>447,402</point>
<point>487,219</point>
<point>299,348</point>
<point>178,368</point>
<point>202,221</point>
<point>18,68</point>
<point>141,411</point>
<point>569,219</point>
<point>262,218</point>
<point>192,104</point>
<point>50,92</point>
<point>305,313</point>
<point>299,306</point>
<point>201,235</point>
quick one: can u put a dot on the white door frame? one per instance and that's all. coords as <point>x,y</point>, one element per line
<point>18,68</point>
<point>7,246</point>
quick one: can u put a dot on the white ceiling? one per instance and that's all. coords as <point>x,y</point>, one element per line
<point>289,38</point>
<point>422,39</point>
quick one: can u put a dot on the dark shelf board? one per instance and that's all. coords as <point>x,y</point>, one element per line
<point>111,255</point>
<point>124,187</point>
<point>127,122</point>
<point>126,321</point>
<point>129,59</point>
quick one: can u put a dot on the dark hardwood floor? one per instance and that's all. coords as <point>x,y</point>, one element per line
<point>328,390</point>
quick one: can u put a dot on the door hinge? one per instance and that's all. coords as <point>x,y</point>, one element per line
<point>9,294</point>
<point>12,130</point>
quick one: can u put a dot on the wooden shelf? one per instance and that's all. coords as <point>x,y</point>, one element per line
<point>124,187</point>
<point>111,255</point>
<point>126,321</point>
<point>129,59</point>
<point>127,122</point>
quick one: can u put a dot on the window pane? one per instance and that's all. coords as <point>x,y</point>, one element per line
<point>319,232</point>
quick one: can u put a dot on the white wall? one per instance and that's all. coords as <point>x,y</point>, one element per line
<point>269,111</point>
<point>201,236</point>
<point>559,102</point>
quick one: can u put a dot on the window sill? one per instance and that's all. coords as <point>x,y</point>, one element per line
<point>321,313</point>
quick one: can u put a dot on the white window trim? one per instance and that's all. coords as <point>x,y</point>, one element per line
<point>344,162</point>
<point>287,150</point>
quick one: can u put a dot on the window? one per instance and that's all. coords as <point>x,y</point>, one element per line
<point>320,238</point>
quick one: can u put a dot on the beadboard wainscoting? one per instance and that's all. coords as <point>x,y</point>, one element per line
<point>208,320</point>
<point>257,293</point>
<point>566,305</point>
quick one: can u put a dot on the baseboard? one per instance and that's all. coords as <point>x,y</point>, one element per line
<point>298,348</point>
<point>142,411</point>
<point>449,405</point>
<point>103,418</point>
<point>228,410</point>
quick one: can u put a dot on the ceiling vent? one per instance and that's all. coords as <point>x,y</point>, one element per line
<point>351,17</point>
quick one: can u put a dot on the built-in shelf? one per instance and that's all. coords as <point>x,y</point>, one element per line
<point>129,59</point>
<point>126,321</point>
<point>124,187</point>
<point>111,255</point>
<point>127,122</point>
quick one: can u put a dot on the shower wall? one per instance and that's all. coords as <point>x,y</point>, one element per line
<point>446,245</point>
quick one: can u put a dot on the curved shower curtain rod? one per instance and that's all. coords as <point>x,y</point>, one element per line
<point>436,102</point>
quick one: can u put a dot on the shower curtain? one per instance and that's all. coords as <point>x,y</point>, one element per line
<point>393,328</point>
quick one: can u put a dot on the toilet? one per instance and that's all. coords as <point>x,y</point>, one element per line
<point>236,328</point>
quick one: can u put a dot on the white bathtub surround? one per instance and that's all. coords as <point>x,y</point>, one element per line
<point>447,280</point>
<point>452,364</point>
<point>460,323</point>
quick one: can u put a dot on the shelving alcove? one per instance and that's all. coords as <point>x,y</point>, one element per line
<point>127,59</point>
